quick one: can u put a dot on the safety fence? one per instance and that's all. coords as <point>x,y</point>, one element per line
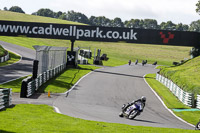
<point>4,58</point>
<point>198,102</point>
<point>5,97</point>
<point>185,97</point>
<point>32,85</point>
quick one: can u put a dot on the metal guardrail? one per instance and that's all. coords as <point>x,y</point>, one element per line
<point>198,102</point>
<point>5,97</point>
<point>4,58</point>
<point>33,85</point>
<point>185,97</point>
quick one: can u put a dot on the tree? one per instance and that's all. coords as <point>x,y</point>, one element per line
<point>198,7</point>
<point>117,22</point>
<point>150,24</point>
<point>16,9</point>
<point>133,23</point>
<point>168,26</point>
<point>5,9</point>
<point>57,14</point>
<point>100,21</point>
<point>77,17</point>
<point>195,26</point>
<point>63,16</point>
<point>45,12</point>
<point>182,27</point>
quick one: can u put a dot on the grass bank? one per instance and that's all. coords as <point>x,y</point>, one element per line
<point>186,76</point>
<point>42,119</point>
<point>14,16</point>
<point>171,101</point>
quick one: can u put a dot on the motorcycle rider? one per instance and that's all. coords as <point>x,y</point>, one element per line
<point>140,104</point>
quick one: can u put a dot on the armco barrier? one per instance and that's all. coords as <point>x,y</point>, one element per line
<point>4,58</point>
<point>185,97</point>
<point>5,97</point>
<point>32,85</point>
<point>198,102</point>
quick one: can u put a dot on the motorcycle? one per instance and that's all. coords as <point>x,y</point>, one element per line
<point>130,111</point>
<point>197,127</point>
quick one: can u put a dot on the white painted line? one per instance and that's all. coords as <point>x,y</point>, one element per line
<point>165,105</point>
<point>76,83</point>
<point>57,110</point>
<point>11,80</point>
<point>12,64</point>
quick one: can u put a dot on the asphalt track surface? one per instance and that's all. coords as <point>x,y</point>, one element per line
<point>100,95</point>
<point>22,68</point>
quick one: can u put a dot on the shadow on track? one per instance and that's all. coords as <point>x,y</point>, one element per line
<point>121,74</point>
<point>146,121</point>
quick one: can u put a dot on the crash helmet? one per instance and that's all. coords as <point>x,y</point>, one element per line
<point>143,99</point>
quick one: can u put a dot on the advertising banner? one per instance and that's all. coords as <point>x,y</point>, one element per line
<point>97,33</point>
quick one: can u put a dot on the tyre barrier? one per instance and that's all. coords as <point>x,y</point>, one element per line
<point>30,85</point>
<point>5,98</point>
<point>4,58</point>
<point>185,97</point>
<point>82,60</point>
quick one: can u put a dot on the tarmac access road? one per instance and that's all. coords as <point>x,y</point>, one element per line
<point>20,69</point>
<point>100,95</point>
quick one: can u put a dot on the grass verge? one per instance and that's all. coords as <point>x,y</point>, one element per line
<point>42,119</point>
<point>171,101</point>
<point>59,84</point>
<point>13,58</point>
<point>15,85</point>
<point>66,80</point>
<point>186,76</point>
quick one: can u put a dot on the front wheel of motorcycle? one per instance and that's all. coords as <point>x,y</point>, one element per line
<point>121,114</point>
<point>133,114</point>
<point>197,127</point>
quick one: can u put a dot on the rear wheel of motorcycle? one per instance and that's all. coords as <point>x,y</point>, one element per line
<point>197,127</point>
<point>133,114</point>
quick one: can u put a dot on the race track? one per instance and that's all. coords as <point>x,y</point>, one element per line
<point>22,68</point>
<point>100,95</point>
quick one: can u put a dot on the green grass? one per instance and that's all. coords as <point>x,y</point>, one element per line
<point>171,101</point>
<point>15,85</point>
<point>42,119</point>
<point>59,84</point>
<point>13,59</point>
<point>118,53</point>
<point>66,80</point>
<point>164,93</point>
<point>2,51</point>
<point>13,16</point>
<point>186,75</point>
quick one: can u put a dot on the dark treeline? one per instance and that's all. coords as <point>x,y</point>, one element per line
<point>116,22</point>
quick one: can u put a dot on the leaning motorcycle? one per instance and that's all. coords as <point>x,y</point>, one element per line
<point>130,111</point>
<point>197,127</point>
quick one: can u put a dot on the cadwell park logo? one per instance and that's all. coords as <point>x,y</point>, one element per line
<point>166,39</point>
